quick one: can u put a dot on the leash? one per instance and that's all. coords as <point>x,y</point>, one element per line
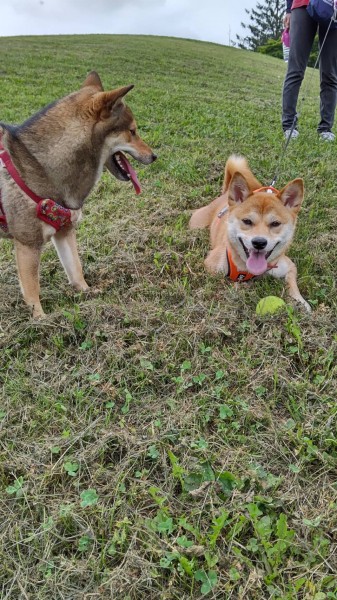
<point>6,162</point>
<point>270,188</point>
<point>297,115</point>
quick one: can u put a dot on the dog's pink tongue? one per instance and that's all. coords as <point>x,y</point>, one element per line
<point>256,263</point>
<point>133,175</point>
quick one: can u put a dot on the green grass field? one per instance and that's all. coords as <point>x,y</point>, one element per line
<point>158,440</point>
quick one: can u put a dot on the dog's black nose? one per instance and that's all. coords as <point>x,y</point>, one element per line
<point>154,157</point>
<point>259,243</point>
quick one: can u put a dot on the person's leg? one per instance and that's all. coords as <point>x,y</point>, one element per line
<point>302,34</point>
<point>328,77</point>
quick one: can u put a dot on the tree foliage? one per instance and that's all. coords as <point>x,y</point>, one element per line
<point>274,48</point>
<point>265,23</point>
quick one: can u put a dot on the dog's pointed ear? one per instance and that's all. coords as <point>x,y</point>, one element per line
<point>238,190</point>
<point>105,102</point>
<point>93,80</point>
<point>292,195</point>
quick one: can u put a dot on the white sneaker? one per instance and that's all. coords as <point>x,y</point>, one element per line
<point>291,134</point>
<point>327,136</point>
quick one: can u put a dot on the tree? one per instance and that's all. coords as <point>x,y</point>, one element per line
<point>266,22</point>
<point>274,48</point>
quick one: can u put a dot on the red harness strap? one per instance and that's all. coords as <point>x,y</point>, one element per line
<point>47,210</point>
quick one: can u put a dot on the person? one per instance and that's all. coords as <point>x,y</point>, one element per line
<point>303,29</point>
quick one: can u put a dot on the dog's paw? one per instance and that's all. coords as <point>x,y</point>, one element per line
<point>38,315</point>
<point>81,286</point>
<point>301,303</point>
<point>307,306</point>
<point>94,291</point>
<point>85,289</point>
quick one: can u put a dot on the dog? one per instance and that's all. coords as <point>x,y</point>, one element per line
<point>251,227</point>
<point>48,167</point>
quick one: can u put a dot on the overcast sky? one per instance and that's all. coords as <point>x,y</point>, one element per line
<point>211,20</point>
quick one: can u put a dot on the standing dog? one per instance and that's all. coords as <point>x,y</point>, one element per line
<point>49,165</point>
<point>252,227</point>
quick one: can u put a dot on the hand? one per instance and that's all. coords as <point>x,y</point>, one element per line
<point>286,21</point>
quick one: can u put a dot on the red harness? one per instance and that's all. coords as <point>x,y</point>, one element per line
<point>46,209</point>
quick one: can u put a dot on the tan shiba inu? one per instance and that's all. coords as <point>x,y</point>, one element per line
<point>251,228</point>
<point>49,165</point>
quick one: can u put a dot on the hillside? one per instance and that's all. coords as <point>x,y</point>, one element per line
<point>158,439</point>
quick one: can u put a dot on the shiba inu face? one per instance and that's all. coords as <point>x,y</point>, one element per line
<point>261,225</point>
<point>116,124</point>
<point>127,141</point>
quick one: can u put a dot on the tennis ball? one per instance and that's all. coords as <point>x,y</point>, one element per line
<point>269,305</point>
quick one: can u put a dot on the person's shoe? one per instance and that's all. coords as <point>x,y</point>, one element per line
<point>327,136</point>
<point>293,134</point>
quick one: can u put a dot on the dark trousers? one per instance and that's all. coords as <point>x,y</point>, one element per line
<point>302,34</point>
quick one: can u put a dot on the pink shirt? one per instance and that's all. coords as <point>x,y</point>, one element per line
<point>298,3</point>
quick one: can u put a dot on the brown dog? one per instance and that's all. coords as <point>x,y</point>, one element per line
<point>252,227</point>
<point>59,154</point>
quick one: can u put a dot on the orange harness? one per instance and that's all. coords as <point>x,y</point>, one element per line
<point>233,274</point>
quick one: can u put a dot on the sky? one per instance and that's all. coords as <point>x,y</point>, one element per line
<point>210,20</point>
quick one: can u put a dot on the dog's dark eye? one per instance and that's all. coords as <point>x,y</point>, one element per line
<point>275,224</point>
<point>247,222</point>
<point>133,132</point>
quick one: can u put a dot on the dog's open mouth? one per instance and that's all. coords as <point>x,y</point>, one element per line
<point>126,171</point>
<point>256,262</point>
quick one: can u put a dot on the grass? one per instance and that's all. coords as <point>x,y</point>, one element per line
<point>159,440</point>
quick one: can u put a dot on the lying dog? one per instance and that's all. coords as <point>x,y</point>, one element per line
<point>251,227</point>
<point>49,165</point>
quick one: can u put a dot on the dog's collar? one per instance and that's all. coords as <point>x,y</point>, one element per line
<point>47,209</point>
<point>268,188</point>
<point>222,212</point>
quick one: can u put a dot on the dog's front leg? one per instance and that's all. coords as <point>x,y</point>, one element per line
<point>216,261</point>
<point>287,269</point>
<point>28,264</point>
<point>66,247</point>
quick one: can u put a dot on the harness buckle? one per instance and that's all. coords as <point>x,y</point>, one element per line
<point>222,212</point>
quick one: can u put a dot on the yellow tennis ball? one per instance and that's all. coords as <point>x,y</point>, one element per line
<point>269,305</point>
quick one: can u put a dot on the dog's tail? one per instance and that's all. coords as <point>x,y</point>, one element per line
<point>204,216</point>
<point>239,164</point>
